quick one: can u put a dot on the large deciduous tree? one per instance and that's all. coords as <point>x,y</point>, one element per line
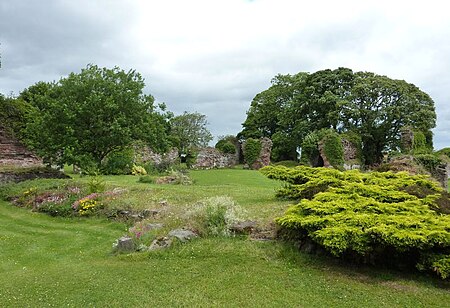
<point>85,116</point>
<point>374,106</point>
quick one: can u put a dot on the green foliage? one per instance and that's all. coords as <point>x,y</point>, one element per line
<point>367,214</point>
<point>287,163</point>
<point>252,150</point>
<point>13,115</point>
<point>138,170</point>
<point>421,144</point>
<point>191,157</point>
<point>189,131</point>
<point>374,107</point>
<point>332,147</point>
<point>54,209</point>
<point>228,148</point>
<point>146,179</point>
<point>119,162</point>
<point>227,144</point>
<point>84,117</point>
<point>96,184</point>
<point>445,152</point>
<point>429,161</point>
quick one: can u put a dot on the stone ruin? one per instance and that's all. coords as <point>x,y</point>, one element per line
<point>264,156</point>
<point>213,158</point>
<point>351,160</point>
<point>145,154</point>
<point>13,153</point>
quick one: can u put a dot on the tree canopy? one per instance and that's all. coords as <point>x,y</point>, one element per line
<point>374,106</point>
<point>189,131</point>
<point>82,118</point>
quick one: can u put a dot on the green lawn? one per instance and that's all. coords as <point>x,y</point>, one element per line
<point>47,261</point>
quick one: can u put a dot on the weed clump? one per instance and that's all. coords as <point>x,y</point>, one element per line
<point>214,216</point>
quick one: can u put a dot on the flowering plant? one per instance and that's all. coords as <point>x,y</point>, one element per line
<point>87,205</point>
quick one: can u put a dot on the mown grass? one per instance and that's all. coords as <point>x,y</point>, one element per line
<point>57,262</point>
<point>249,189</point>
<point>47,261</point>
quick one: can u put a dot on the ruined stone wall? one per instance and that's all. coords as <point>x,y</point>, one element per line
<point>212,158</point>
<point>144,154</point>
<point>13,153</point>
<point>264,156</point>
<point>351,159</point>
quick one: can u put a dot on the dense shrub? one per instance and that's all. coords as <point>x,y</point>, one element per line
<point>444,151</point>
<point>252,150</point>
<point>286,163</point>
<point>374,216</point>
<point>119,162</point>
<point>429,161</point>
<point>227,144</point>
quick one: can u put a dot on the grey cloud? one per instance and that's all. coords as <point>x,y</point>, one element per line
<point>45,40</point>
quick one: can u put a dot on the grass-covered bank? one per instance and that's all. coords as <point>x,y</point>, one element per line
<point>66,262</point>
<point>51,261</point>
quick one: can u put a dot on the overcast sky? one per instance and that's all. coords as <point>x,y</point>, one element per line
<point>215,56</point>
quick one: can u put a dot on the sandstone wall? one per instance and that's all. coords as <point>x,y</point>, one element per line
<point>212,158</point>
<point>12,152</point>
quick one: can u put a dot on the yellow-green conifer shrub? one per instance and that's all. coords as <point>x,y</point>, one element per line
<point>368,215</point>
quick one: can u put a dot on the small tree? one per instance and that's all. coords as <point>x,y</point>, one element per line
<point>189,131</point>
<point>86,116</point>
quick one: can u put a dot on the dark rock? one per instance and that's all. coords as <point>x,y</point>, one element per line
<point>124,213</point>
<point>150,213</point>
<point>125,244</point>
<point>136,216</point>
<point>243,227</point>
<point>182,234</point>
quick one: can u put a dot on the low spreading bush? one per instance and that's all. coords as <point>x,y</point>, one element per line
<point>287,163</point>
<point>138,170</point>
<point>375,217</point>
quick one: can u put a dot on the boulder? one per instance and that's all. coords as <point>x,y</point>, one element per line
<point>125,244</point>
<point>182,234</point>
<point>160,243</point>
<point>243,227</point>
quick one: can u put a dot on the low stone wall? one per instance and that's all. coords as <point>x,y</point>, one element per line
<point>31,174</point>
<point>212,158</point>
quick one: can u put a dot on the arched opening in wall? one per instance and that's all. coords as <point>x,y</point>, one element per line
<point>318,161</point>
